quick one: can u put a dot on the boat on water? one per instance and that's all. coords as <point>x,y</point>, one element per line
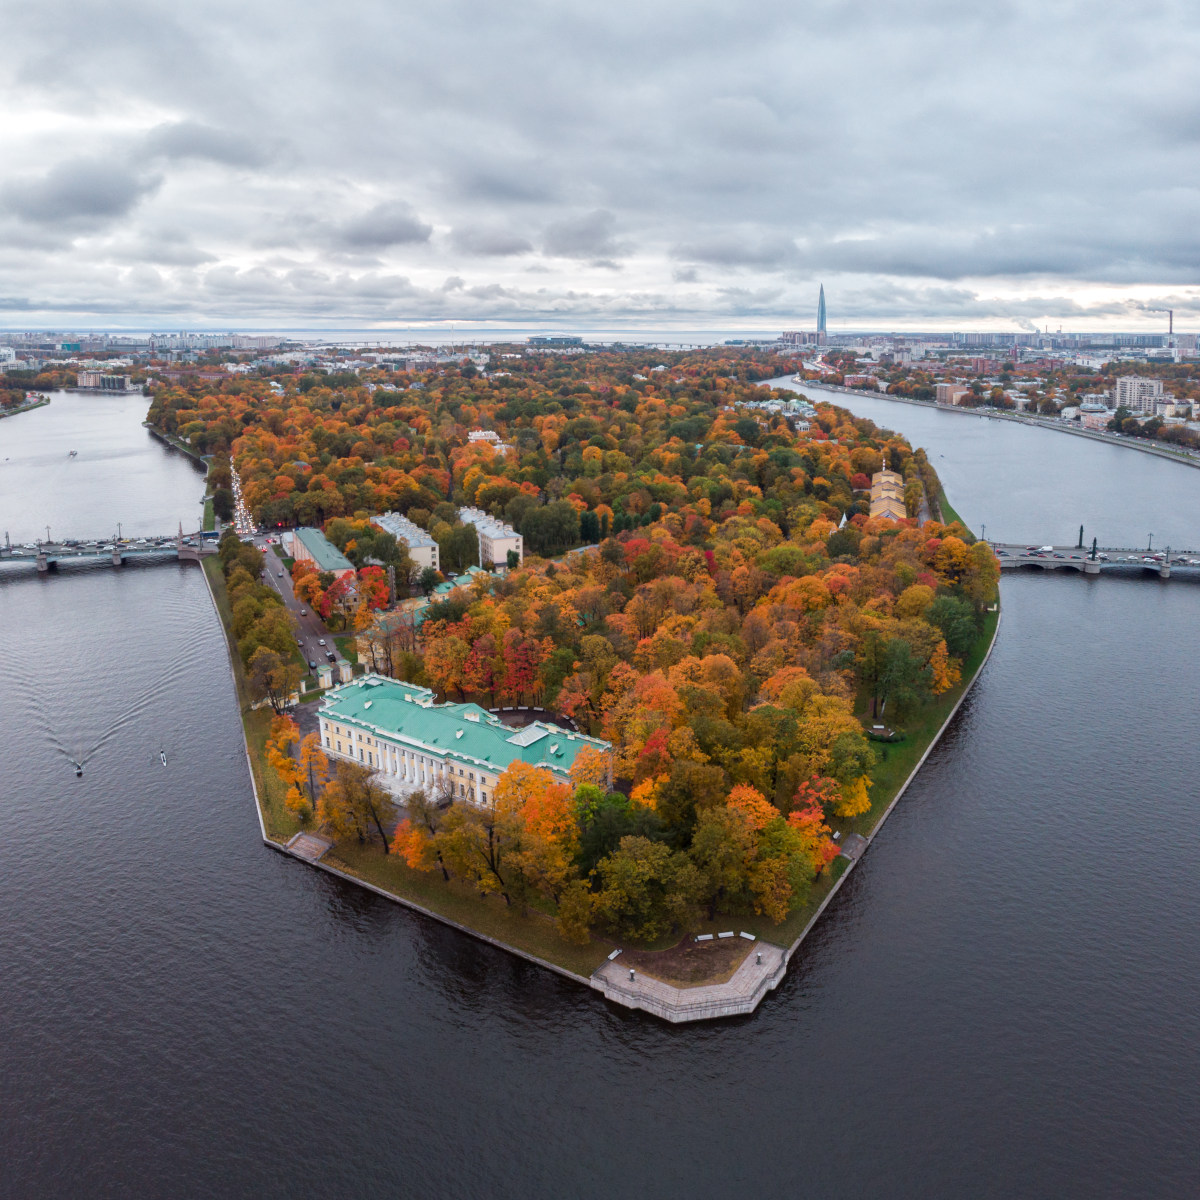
<point>73,453</point>
<point>162,755</point>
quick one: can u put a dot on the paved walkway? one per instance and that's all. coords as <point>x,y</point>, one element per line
<point>852,847</point>
<point>309,847</point>
<point>740,994</point>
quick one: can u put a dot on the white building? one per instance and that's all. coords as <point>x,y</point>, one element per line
<point>1137,393</point>
<point>495,538</point>
<point>422,549</point>
<point>488,437</point>
<point>398,731</point>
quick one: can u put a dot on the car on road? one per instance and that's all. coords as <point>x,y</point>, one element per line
<point>304,612</point>
<point>331,656</point>
<point>312,666</point>
<point>320,641</point>
<point>280,574</point>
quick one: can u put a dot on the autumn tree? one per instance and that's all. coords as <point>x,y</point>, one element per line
<point>352,803</point>
<point>273,678</point>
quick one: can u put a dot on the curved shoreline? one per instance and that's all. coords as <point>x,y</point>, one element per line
<point>887,812</point>
<point>740,996</point>
<point>1108,439</point>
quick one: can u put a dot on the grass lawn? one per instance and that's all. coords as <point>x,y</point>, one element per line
<point>896,760</point>
<point>347,645</point>
<point>256,722</point>
<point>210,520</point>
<point>532,932</point>
<point>949,513</point>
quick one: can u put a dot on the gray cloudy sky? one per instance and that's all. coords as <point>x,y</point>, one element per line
<point>936,163</point>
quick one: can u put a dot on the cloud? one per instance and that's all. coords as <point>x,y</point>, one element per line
<point>392,223</point>
<point>81,193</point>
<point>587,236</point>
<point>969,173</point>
<point>190,139</point>
<point>490,243</point>
<point>163,247</point>
<point>735,251</point>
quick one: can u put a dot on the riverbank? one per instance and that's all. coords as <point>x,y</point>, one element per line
<point>532,935</point>
<point>24,408</point>
<point>1158,449</point>
<point>176,444</point>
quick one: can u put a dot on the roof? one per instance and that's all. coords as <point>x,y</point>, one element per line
<point>401,527</point>
<point>392,708</point>
<point>325,554</point>
<point>459,581</point>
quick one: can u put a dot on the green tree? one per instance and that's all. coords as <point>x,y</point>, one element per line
<point>956,620</point>
<point>892,671</point>
<point>222,502</point>
<point>646,889</point>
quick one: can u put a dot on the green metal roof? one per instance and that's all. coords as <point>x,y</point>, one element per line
<point>326,555</point>
<point>393,709</point>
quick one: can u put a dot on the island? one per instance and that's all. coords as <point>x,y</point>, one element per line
<point>644,749</point>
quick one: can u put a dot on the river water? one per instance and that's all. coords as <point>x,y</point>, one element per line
<point>1000,1002</point>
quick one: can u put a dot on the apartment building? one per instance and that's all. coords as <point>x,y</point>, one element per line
<point>422,549</point>
<point>496,538</point>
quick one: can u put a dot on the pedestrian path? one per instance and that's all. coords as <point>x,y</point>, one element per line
<point>309,847</point>
<point>759,973</point>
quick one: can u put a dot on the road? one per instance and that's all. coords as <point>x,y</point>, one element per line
<point>1108,558</point>
<point>310,629</point>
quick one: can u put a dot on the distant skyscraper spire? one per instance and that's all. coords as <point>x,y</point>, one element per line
<point>821,316</point>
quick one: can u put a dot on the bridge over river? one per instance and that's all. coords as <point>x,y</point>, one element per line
<point>49,556</point>
<point>1099,560</point>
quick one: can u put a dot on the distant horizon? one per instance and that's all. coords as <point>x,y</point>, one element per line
<point>446,330</point>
